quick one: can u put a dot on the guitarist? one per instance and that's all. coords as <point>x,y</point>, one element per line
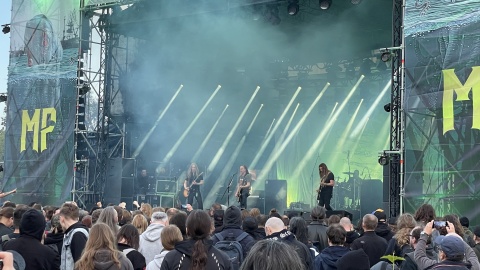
<point>192,183</point>
<point>327,182</point>
<point>243,186</point>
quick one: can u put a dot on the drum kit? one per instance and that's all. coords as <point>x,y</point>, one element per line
<point>348,191</point>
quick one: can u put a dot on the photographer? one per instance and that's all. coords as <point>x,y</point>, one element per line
<point>451,254</point>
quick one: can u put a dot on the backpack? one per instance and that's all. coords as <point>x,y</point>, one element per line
<point>232,247</point>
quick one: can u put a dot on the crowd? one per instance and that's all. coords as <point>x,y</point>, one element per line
<point>67,237</point>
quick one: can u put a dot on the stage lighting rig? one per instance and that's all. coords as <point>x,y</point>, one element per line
<point>387,107</point>
<point>383,159</point>
<point>3,97</point>
<point>325,4</point>
<point>6,28</point>
<point>293,7</point>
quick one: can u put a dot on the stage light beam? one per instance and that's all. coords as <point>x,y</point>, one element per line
<point>180,140</point>
<point>230,134</point>
<point>149,133</point>
<point>207,138</point>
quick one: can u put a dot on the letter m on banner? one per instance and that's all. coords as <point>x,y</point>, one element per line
<point>32,124</point>
<point>452,85</point>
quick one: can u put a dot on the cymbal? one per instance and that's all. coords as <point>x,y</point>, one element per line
<point>349,173</point>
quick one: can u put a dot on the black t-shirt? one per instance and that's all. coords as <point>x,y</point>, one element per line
<point>328,190</point>
<point>243,181</point>
<point>192,178</point>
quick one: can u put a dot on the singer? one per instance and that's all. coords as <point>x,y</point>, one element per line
<point>243,186</point>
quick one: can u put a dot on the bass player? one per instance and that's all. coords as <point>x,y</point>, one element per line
<point>192,185</point>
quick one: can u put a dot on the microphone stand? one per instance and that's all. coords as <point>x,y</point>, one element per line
<point>227,190</point>
<point>311,179</point>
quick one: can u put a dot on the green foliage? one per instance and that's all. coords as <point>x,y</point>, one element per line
<point>392,258</point>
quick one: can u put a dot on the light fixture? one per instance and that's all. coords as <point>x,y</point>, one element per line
<point>387,107</point>
<point>6,28</point>
<point>293,7</point>
<point>3,97</point>
<point>325,4</point>
<point>386,56</point>
<point>383,159</point>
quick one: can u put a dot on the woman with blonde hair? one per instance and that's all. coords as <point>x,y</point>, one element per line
<point>146,209</point>
<point>255,212</point>
<point>400,243</point>
<point>101,251</point>
<point>140,222</point>
<point>170,235</point>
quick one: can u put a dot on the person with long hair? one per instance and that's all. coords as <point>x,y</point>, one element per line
<point>243,186</point>
<point>272,255</point>
<point>109,216</point>
<point>146,209</point>
<point>325,190</point>
<point>101,251</point>
<point>128,240</point>
<point>171,235</point>
<point>198,252</point>
<point>298,226</point>
<point>400,243</point>
<point>424,214</point>
<point>192,184</point>
<point>140,222</point>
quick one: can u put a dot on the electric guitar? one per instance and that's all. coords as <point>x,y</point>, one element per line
<point>240,193</point>
<point>186,191</point>
<point>322,180</point>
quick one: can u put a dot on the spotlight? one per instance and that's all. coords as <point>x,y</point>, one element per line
<point>383,160</point>
<point>6,28</point>
<point>3,98</point>
<point>84,89</point>
<point>325,4</point>
<point>387,107</point>
<point>386,56</point>
<point>293,8</point>
<point>356,2</point>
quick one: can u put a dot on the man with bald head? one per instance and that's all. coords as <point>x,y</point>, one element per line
<point>276,231</point>
<point>374,245</point>
<point>351,233</point>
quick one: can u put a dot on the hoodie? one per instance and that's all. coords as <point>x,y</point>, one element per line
<point>384,231</point>
<point>157,261</point>
<point>150,242</point>
<point>103,261</point>
<point>181,257</point>
<point>302,250</point>
<point>232,227</point>
<point>327,260</point>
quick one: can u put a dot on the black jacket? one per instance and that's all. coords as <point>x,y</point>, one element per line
<point>4,230</point>
<point>181,257</point>
<point>450,265</point>
<point>78,241</point>
<point>374,245</point>
<point>56,239</point>
<point>327,260</point>
<point>384,231</point>
<point>351,236</point>
<point>302,250</point>
<point>317,234</point>
<point>135,257</point>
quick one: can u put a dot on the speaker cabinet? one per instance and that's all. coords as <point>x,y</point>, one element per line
<point>275,195</point>
<point>371,196</point>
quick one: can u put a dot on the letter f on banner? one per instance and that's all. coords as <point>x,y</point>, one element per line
<point>452,84</point>
<point>32,125</point>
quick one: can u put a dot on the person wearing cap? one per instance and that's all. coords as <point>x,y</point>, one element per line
<point>232,227</point>
<point>29,246</point>
<point>150,242</point>
<point>383,230</point>
<point>453,253</point>
<point>374,245</point>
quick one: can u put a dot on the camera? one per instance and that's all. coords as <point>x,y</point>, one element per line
<point>438,224</point>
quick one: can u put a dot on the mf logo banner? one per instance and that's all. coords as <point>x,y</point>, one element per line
<point>41,100</point>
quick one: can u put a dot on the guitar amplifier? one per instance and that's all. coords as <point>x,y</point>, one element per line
<point>166,186</point>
